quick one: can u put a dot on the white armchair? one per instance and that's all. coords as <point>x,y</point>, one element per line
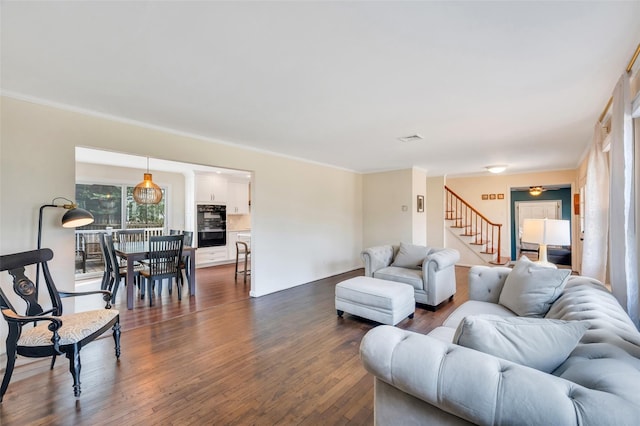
<point>433,277</point>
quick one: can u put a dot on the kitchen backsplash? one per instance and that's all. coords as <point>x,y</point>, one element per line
<point>238,222</point>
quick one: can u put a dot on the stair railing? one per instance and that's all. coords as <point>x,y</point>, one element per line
<point>473,223</point>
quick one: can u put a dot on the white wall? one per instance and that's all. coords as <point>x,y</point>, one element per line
<point>307,218</point>
<point>173,182</point>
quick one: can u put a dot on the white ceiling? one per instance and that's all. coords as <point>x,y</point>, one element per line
<point>517,83</point>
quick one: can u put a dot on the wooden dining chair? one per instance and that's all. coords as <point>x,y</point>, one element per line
<point>131,236</point>
<point>46,333</point>
<point>187,240</point>
<point>116,272</point>
<point>165,254</point>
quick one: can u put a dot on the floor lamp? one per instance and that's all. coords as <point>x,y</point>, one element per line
<point>73,218</point>
<point>546,232</point>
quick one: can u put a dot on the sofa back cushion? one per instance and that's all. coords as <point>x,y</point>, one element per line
<point>530,289</point>
<point>538,343</point>
<point>410,256</point>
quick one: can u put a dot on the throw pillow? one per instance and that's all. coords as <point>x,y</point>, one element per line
<point>530,288</point>
<point>539,343</point>
<point>410,256</point>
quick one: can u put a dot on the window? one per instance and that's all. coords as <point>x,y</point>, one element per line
<point>106,203</point>
<point>113,208</point>
<point>144,215</point>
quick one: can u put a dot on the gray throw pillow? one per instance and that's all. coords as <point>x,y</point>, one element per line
<point>538,343</point>
<point>530,288</point>
<point>410,256</point>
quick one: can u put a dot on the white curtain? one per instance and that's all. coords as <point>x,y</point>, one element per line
<point>596,211</point>
<point>622,236</point>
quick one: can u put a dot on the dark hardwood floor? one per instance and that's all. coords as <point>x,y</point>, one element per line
<point>220,357</point>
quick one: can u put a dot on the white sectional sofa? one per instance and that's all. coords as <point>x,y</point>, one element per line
<point>427,379</point>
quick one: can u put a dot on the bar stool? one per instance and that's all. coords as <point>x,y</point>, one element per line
<point>242,248</point>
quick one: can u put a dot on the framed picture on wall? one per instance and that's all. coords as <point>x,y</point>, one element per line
<point>492,196</point>
<point>420,203</point>
<point>485,196</point>
<point>500,196</point>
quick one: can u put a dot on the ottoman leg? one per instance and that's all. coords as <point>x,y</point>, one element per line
<point>339,312</point>
<point>411,316</point>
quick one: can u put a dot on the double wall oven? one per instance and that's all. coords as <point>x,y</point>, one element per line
<point>212,225</point>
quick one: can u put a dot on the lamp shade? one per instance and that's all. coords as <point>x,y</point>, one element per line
<point>76,217</point>
<point>546,231</point>
<point>147,192</point>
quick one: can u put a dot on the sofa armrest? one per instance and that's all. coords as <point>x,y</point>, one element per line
<point>481,388</point>
<point>441,259</point>
<point>377,258</point>
<point>485,283</point>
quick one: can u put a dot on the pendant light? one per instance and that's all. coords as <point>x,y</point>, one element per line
<point>147,192</point>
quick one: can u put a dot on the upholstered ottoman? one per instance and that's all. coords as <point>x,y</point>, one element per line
<point>386,302</point>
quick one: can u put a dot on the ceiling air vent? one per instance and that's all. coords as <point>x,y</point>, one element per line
<point>411,138</point>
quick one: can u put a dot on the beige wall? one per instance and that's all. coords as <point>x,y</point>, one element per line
<point>307,218</point>
<point>435,211</point>
<point>173,182</point>
<point>471,190</point>
<point>384,195</point>
<point>419,223</point>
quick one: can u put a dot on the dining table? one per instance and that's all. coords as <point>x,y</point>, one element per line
<point>135,251</point>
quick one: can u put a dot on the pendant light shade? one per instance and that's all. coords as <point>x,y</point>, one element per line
<point>147,192</point>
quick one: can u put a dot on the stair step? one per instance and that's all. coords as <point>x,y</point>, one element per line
<point>480,243</point>
<point>470,234</point>
<point>501,260</point>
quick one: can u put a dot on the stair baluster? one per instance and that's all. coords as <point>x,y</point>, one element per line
<point>475,225</point>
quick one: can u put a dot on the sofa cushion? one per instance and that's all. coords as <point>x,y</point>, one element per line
<point>400,275</point>
<point>475,307</point>
<point>539,343</point>
<point>530,288</point>
<point>410,256</point>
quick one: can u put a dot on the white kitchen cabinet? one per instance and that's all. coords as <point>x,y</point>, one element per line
<point>211,255</point>
<point>238,198</point>
<point>211,188</point>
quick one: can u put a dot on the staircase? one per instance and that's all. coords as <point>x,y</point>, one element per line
<point>473,229</point>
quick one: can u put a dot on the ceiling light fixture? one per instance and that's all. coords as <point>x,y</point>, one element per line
<point>496,169</point>
<point>147,192</point>
<point>536,190</point>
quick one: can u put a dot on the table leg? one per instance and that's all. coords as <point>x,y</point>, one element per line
<point>130,283</point>
<point>192,275</point>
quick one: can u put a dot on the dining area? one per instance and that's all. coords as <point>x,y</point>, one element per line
<point>144,262</point>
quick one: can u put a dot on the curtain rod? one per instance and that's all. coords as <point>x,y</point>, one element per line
<point>629,68</point>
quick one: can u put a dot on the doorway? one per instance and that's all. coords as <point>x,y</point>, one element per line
<point>558,193</point>
<point>534,210</point>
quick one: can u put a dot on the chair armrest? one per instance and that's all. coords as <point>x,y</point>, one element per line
<point>441,258</point>
<point>485,283</point>
<point>106,295</point>
<point>481,388</point>
<point>12,316</point>
<point>377,258</point>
